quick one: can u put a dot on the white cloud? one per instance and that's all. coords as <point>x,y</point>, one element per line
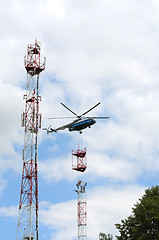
<point>96,51</point>
<point>62,217</point>
<point>56,169</point>
<point>11,137</point>
<point>112,168</point>
<point>108,205</point>
<point>7,212</point>
<point>115,150</point>
<point>105,207</point>
<point>11,105</point>
<point>3,185</point>
<point>53,8</point>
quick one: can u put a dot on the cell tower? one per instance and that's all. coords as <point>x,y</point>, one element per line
<point>31,120</point>
<point>79,160</point>
<point>81,210</point>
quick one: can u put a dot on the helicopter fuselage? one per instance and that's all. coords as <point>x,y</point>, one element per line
<point>81,124</point>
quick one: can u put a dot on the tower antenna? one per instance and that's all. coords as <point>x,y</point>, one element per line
<point>28,226</point>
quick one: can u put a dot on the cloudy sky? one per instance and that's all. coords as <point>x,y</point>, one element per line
<point>96,50</point>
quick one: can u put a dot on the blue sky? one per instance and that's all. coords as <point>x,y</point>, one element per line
<point>95,51</point>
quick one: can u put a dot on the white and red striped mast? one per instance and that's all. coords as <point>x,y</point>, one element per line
<point>82,210</point>
<point>31,120</point>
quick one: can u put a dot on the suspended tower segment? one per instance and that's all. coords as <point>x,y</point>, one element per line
<point>31,121</point>
<point>82,210</point>
<point>79,160</point>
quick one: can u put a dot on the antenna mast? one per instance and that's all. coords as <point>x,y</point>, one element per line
<point>28,227</point>
<point>81,210</point>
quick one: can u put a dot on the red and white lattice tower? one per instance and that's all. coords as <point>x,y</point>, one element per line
<point>82,210</point>
<point>31,120</point>
<point>79,160</point>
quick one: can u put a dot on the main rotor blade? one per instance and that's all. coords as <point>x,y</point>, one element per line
<point>98,117</point>
<point>90,109</point>
<point>61,117</point>
<point>69,110</point>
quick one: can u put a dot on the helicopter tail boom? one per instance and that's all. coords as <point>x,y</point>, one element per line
<point>49,130</point>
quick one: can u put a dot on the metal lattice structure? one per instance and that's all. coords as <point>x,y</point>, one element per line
<point>31,120</point>
<point>82,210</point>
<point>79,160</point>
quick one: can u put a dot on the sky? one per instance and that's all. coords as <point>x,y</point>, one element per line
<point>96,51</point>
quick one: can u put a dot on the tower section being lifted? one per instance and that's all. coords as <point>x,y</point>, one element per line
<point>31,121</point>
<point>79,160</point>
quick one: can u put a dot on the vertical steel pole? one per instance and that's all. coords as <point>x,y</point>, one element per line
<point>36,158</point>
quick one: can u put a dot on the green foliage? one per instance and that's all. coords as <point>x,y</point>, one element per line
<point>143,224</point>
<point>103,236</point>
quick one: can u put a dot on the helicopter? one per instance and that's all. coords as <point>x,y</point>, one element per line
<point>81,122</point>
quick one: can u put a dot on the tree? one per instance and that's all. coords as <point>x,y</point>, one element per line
<point>143,224</point>
<point>103,236</point>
